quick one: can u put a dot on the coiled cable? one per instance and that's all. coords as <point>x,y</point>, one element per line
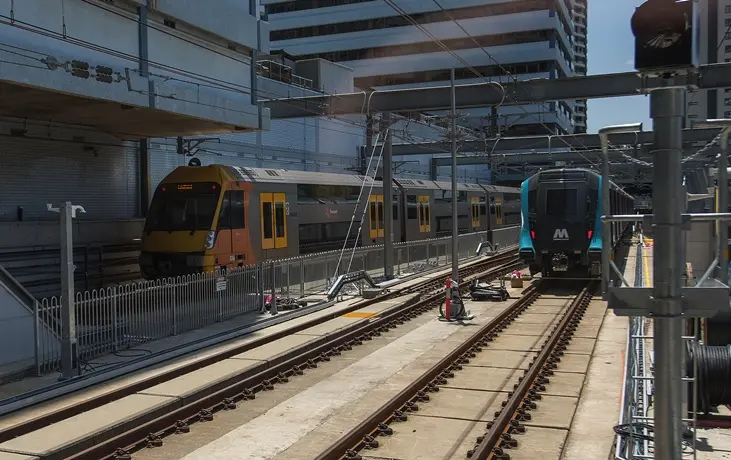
<point>714,374</point>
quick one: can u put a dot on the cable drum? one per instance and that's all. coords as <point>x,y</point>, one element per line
<point>714,374</point>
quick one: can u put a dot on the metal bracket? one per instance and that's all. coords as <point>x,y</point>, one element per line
<point>349,278</point>
<point>488,248</point>
<point>698,302</point>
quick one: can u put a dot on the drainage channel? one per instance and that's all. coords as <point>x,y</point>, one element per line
<point>508,421</point>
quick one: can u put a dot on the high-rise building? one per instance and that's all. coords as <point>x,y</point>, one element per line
<point>580,11</point>
<point>715,46</point>
<point>400,43</point>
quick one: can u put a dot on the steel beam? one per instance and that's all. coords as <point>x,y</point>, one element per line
<point>577,141</point>
<point>487,94</point>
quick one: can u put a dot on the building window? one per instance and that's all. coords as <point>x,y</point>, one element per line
<point>727,114</point>
<point>728,48</point>
<point>727,36</point>
<point>727,101</point>
<point>728,9</point>
<point>693,116</point>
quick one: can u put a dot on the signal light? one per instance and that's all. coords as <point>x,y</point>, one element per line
<point>213,187</point>
<point>164,189</point>
<point>533,234</point>
<point>589,233</point>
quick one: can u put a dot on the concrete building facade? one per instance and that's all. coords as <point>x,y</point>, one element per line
<point>496,40</point>
<point>715,46</point>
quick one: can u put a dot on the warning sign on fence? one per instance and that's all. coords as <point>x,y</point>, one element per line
<point>220,283</point>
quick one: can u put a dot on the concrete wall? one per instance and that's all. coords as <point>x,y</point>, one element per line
<point>199,60</point>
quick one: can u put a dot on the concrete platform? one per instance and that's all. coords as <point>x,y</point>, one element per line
<point>300,415</point>
<point>171,394</point>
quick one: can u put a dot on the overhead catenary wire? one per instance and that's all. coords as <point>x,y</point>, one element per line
<point>467,65</point>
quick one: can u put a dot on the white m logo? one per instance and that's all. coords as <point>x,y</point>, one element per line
<point>561,234</point>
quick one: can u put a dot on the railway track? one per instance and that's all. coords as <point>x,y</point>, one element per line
<point>150,429</point>
<point>391,419</point>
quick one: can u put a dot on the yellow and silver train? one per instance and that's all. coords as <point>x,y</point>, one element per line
<point>204,218</point>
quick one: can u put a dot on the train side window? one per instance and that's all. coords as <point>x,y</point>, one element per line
<point>224,215</point>
<point>280,220</point>
<point>395,212</point>
<point>483,209</point>
<point>427,215</point>
<point>411,207</point>
<point>267,220</point>
<point>238,216</point>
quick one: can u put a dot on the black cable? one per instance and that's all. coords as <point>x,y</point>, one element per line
<point>714,374</point>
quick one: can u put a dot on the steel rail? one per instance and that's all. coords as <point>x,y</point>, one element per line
<point>136,434</point>
<point>364,434</point>
<point>498,436</point>
<point>105,398</point>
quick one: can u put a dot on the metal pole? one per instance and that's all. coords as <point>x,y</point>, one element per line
<point>455,194</point>
<point>606,276</point>
<point>388,202</point>
<point>723,207</point>
<point>666,110</point>
<point>68,310</point>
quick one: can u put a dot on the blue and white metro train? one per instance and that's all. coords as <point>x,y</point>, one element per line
<point>561,228</point>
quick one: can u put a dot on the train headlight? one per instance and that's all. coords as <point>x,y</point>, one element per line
<point>210,240</point>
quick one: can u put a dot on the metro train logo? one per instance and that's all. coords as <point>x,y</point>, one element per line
<point>560,234</point>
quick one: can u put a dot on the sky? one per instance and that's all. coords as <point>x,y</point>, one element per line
<point>611,50</point>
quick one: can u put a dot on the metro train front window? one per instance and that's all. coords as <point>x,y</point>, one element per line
<point>189,207</point>
<point>561,202</point>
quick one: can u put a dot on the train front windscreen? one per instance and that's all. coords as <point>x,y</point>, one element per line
<point>561,216</point>
<point>181,207</point>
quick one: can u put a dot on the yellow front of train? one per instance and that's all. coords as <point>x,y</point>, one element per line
<point>179,229</point>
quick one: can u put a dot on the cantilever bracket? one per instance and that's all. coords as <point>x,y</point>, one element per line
<point>698,302</point>
<point>349,278</point>
<point>487,248</point>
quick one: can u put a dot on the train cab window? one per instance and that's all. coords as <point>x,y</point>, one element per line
<point>224,215</point>
<point>238,211</point>
<point>561,202</point>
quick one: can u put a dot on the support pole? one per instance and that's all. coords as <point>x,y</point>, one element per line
<point>369,146</point>
<point>388,201</point>
<point>723,207</point>
<point>455,193</point>
<point>606,226</point>
<point>68,309</point>
<point>666,110</point>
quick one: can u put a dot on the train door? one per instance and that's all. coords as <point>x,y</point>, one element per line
<point>475,211</point>
<point>239,237</point>
<point>222,246</point>
<point>498,210</point>
<point>375,213</point>
<point>424,209</point>
<point>273,220</point>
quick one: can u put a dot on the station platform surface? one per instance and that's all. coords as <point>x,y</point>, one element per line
<point>173,393</point>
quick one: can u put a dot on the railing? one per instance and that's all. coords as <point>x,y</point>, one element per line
<point>120,317</point>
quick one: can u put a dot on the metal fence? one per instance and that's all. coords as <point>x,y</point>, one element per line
<point>116,318</point>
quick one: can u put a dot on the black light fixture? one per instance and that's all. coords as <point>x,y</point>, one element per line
<point>666,36</point>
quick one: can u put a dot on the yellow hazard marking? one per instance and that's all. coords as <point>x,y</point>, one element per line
<point>647,280</point>
<point>358,314</point>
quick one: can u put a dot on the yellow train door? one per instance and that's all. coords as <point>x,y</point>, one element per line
<point>475,206</point>
<point>273,220</point>
<point>375,213</point>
